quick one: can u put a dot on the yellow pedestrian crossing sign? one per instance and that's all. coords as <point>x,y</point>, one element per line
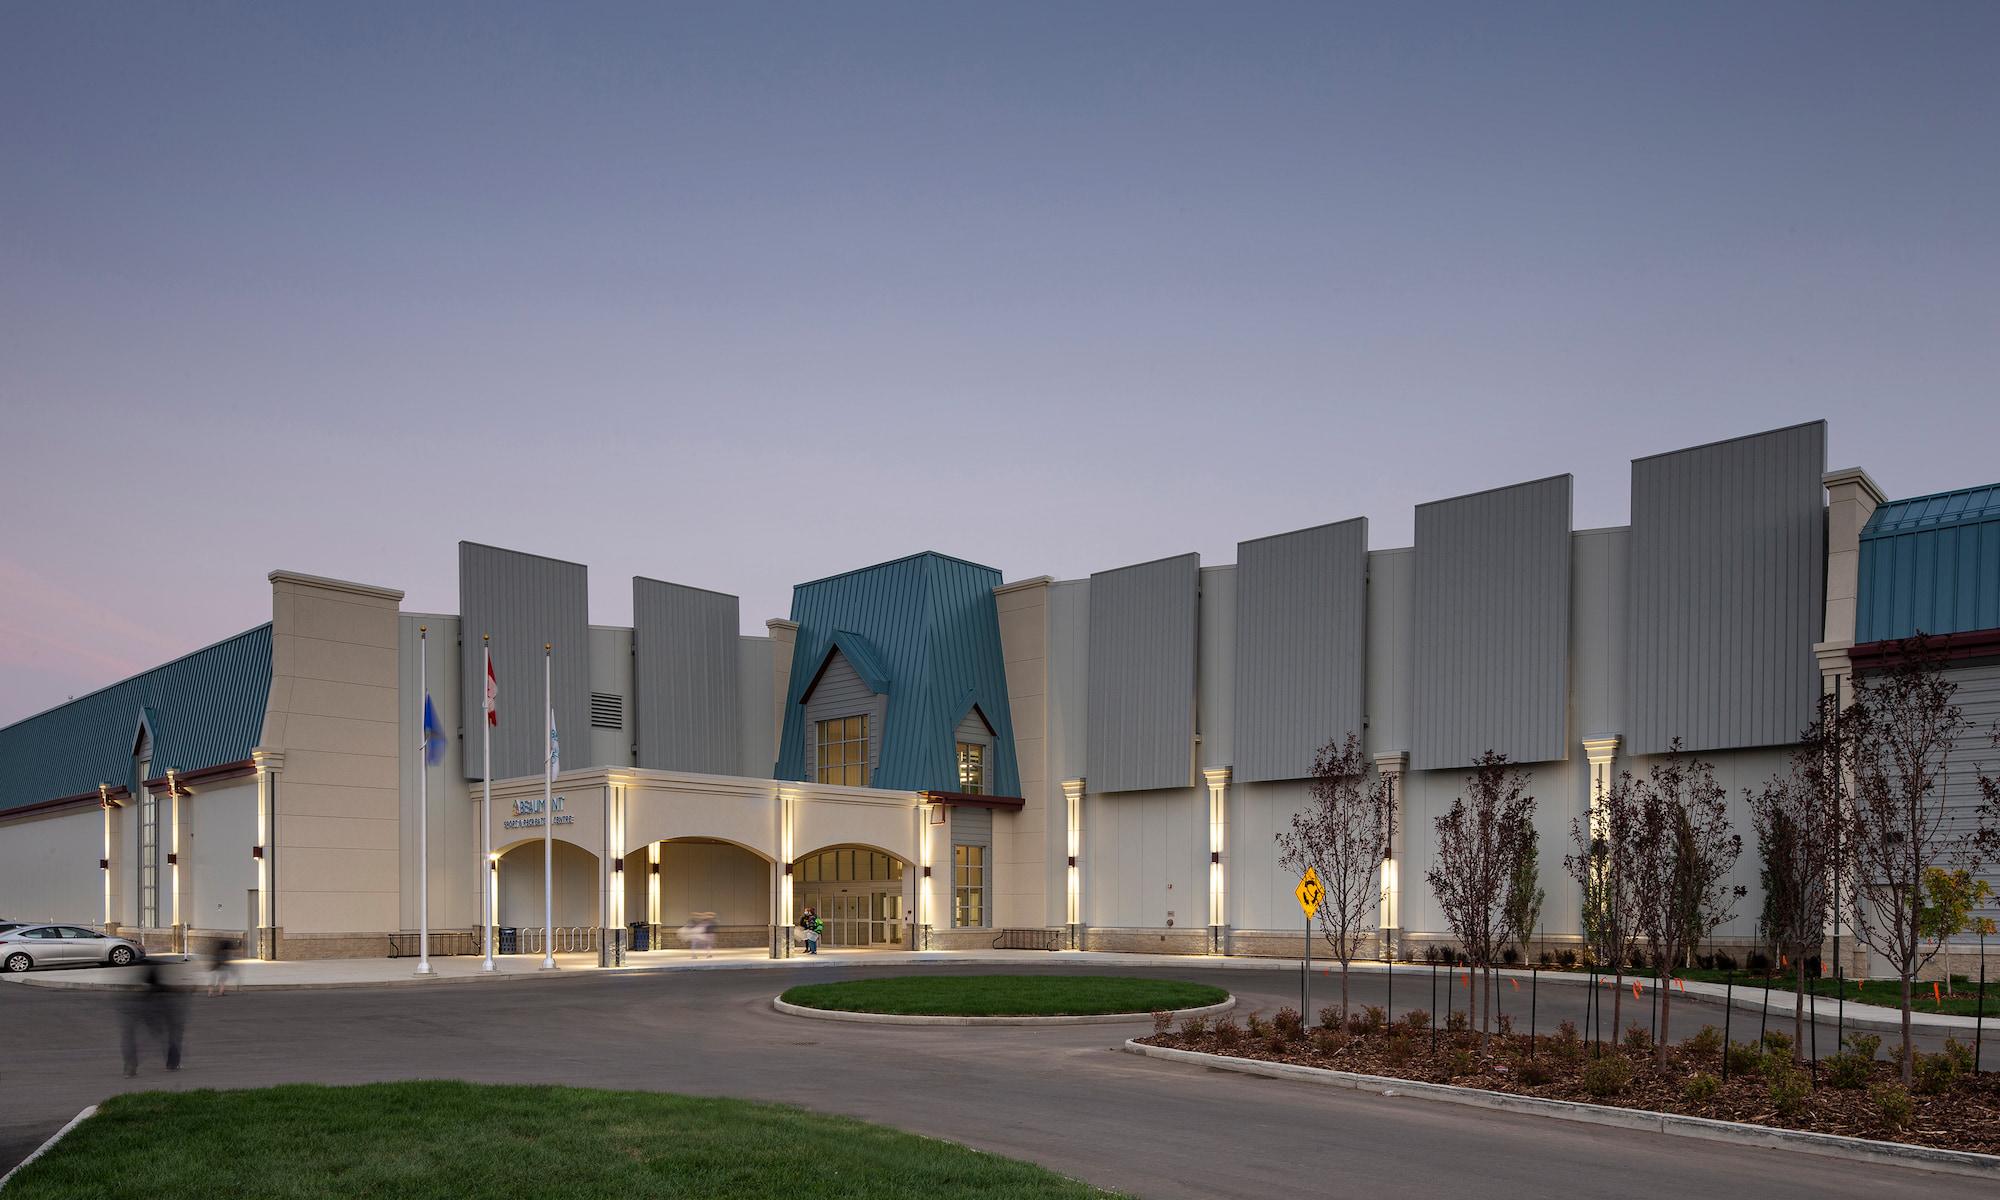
<point>1310,892</point>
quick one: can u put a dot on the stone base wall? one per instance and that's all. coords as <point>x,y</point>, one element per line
<point>1145,941</point>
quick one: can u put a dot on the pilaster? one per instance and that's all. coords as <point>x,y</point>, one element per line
<point>1073,797</point>
<point>1392,766</point>
<point>1218,857</point>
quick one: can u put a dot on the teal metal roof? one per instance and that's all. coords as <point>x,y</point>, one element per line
<point>204,710</point>
<point>1931,564</point>
<point>925,631</point>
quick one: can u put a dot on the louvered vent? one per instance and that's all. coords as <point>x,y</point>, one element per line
<point>607,711</point>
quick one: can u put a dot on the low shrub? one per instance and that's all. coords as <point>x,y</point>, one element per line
<point>1417,1019</point>
<point>1704,1043</point>
<point>1637,1038</point>
<point>1760,962</point>
<point>1745,1058</point>
<point>1567,958</point>
<point>1547,959</point>
<point>1724,961</point>
<point>1789,1086</point>
<point>1401,1049</point>
<point>1534,1074</point>
<point>1328,1041</point>
<point>1510,956</point>
<point>1776,1040</point>
<point>1607,1076</point>
<point>1255,1023</point>
<point>1329,1017</point>
<point>1458,1020</point>
<point>1848,1070</point>
<point>1461,1063</point>
<point>1935,1074</point>
<point>1864,1044</point>
<point>1375,1017</point>
<point>1163,1020</point>
<point>1504,1024</point>
<point>1288,1024</point>
<point>1275,1043</point>
<point>1228,1032</point>
<point>1194,1027</point>
<point>1962,1055</point>
<point>1895,1105</point>
<point>1701,1088</point>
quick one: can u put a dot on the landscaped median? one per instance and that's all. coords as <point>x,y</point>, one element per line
<point>1003,999</point>
<point>1756,1089</point>
<point>436,1139</point>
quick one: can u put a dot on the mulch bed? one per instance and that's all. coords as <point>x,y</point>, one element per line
<point>1967,1117</point>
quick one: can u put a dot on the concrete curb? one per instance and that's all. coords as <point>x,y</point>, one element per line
<point>42,1149</point>
<point>867,1018</point>
<point>1827,1145</point>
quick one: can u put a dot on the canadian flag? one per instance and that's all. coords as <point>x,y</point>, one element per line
<point>492,695</point>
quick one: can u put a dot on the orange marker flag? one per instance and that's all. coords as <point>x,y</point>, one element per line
<point>1684,986</point>
<point>1516,983</point>
<point>1466,979</point>
<point>1935,997</point>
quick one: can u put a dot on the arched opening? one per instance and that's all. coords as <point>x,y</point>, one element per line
<point>674,882</point>
<point>860,894</point>
<point>520,885</point>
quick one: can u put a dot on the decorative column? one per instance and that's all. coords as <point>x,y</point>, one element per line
<point>1601,751</point>
<point>781,926</point>
<point>1218,846</point>
<point>174,859</point>
<point>1073,794</point>
<point>1852,498</point>
<point>269,764</point>
<point>1392,766</point>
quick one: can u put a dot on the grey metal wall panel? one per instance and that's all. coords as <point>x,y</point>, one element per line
<point>1728,567</point>
<point>524,602</point>
<point>756,659</point>
<point>687,680</point>
<point>1301,642</point>
<point>1140,712</point>
<point>1492,625</point>
<point>972,827</point>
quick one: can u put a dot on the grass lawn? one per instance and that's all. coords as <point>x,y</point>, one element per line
<point>442,1139</point>
<point>1004,995</point>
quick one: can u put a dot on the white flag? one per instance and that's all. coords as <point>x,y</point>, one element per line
<point>555,746</point>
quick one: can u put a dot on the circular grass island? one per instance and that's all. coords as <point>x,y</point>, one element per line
<point>1005,997</point>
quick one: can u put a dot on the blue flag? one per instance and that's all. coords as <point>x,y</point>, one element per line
<point>433,734</point>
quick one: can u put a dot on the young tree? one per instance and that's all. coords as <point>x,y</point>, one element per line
<point>1343,836</point>
<point>1478,853</point>
<point>1684,851</point>
<point>1602,865</point>
<point>1797,816</point>
<point>1898,826</point>
<point>1524,890</point>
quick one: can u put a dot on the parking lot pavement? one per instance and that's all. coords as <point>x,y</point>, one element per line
<point>1061,1096</point>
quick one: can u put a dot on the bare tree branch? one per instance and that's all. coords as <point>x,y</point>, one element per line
<point>1343,836</point>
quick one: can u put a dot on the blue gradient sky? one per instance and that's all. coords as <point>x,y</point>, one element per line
<point>749,296</point>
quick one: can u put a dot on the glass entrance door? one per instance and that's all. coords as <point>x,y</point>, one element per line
<point>858,895</point>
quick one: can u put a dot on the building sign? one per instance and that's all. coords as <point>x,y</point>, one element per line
<point>522,809</point>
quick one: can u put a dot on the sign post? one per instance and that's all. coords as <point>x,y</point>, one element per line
<point>1310,893</point>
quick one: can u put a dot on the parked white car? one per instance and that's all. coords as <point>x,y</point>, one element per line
<point>25,947</point>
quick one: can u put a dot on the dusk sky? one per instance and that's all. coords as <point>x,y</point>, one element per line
<point>744,295</point>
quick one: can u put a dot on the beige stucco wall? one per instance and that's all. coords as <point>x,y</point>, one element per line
<point>332,715</point>
<point>48,867</point>
<point>218,828</point>
<point>1021,876</point>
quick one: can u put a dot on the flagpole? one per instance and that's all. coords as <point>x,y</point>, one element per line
<point>424,805</point>
<point>548,820</point>
<point>486,915</point>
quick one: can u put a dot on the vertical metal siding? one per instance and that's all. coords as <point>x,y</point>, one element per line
<point>972,826</point>
<point>1728,568</point>
<point>1143,625</point>
<point>1301,643</point>
<point>1492,629</point>
<point>524,601</point>
<point>1932,564</point>
<point>687,705</point>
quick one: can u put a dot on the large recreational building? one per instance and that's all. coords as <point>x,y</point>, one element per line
<point>931,756</point>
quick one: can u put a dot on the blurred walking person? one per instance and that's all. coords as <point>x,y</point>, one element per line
<point>219,969</point>
<point>152,1011</point>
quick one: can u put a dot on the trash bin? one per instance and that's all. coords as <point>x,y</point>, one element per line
<point>639,935</point>
<point>510,940</point>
